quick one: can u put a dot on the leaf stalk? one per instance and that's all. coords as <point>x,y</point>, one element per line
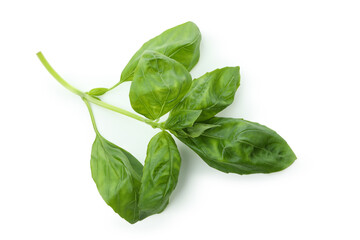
<point>88,98</point>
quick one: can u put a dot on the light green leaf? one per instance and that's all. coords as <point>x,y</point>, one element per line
<point>181,43</point>
<point>160,174</point>
<point>242,147</point>
<point>159,84</point>
<point>117,175</point>
<point>98,91</point>
<point>211,93</point>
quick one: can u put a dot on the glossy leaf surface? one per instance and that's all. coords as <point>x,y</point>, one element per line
<point>160,174</point>
<point>242,147</point>
<point>117,175</point>
<point>159,84</point>
<point>211,93</point>
<point>180,43</point>
<point>182,119</point>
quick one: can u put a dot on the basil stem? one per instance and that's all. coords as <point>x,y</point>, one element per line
<point>89,98</point>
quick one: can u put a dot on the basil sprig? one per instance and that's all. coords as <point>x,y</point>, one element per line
<point>161,83</point>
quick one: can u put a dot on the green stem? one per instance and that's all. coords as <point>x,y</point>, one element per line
<point>114,86</point>
<point>57,76</point>
<point>92,116</point>
<point>86,97</point>
<point>119,110</point>
<point>113,108</point>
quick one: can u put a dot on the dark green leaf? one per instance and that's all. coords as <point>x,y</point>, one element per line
<point>242,147</point>
<point>181,119</point>
<point>212,92</point>
<point>98,91</point>
<point>159,84</point>
<point>117,175</point>
<point>198,129</point>
<point>180,133</point>
<point>160,175</point>
<point>180,43</point>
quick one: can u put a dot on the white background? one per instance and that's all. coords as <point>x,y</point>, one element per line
<point>299,75</point>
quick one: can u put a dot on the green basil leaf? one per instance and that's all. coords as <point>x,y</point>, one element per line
<point>117,175</point>
<point>160,174</point>
<point>159,84</point>
<point>179,133</point>
<point>181,119</point>
<point>242,147</point>
<point>198,129</point>
<point>181,43</point>
<point>98,91</point>
<point>212,92</point>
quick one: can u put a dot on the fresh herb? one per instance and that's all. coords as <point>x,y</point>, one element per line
<point>161,83</point>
